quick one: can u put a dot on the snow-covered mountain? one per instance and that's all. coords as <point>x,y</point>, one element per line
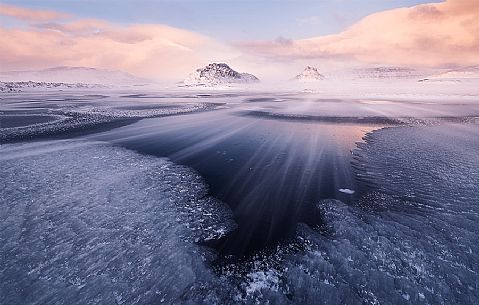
<point>74,75</point>
<point>217,74</point>
<point>458,75</point>
<point>309,74</point>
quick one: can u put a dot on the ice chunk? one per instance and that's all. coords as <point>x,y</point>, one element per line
<point>347,191</point>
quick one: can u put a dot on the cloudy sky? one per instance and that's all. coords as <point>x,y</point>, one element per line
<point>167,39</point>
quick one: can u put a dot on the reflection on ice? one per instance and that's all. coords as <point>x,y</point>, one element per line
<point>412,240</point>
<point>269,172</point>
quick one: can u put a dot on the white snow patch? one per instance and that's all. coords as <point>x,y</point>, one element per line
<point>347,191</point>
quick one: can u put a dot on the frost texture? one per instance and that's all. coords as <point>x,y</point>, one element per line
<point>85,223</point>
<point>412,240</point>
<point>78,118</point>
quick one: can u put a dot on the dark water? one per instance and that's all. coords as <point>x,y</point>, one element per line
<point>270,172</point>
<point>9,121</point>
<point>271,158</point>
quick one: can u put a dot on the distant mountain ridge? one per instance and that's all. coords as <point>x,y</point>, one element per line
<point>30,85</point>
<point>387,73</point>
<point>74,75</point>
<point>218,73</point>
<point>456,75</point>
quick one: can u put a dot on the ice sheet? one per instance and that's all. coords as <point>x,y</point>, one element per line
<point>84,223</point>
<point>412,239</point>
<point>79,113</point>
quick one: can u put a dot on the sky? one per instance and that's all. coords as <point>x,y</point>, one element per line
<point>228,20</point>
<point>168,39</point>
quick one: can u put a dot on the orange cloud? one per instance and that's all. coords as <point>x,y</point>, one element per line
<point>150,50</point>
<point>28,14</point>
<point>439,34</point>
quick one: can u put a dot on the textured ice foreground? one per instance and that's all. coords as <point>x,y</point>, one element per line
<point>413,239</point>
<point>86,223</point>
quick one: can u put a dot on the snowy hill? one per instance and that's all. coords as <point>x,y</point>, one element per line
<point>309,74</point>
<point>217,74</point>
<point>74,75</point>
<point>387,73</point>
<point>21,86</point>
<point>458,75</point>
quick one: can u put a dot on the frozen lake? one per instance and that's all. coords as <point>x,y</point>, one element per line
<point>217,198</point>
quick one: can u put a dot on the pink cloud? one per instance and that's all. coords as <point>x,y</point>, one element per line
<point>425,35</point>
<point>29,14</point>
<point>150,50</point>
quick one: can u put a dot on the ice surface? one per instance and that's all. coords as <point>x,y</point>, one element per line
<point>413,239</point>
<point>84,222</point>
<point>72,114</point>
<point>87,223</point>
